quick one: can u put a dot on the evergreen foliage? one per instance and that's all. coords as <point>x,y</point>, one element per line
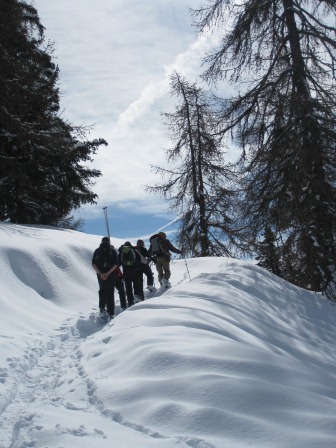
<point>285,120</point>
<point>42,176</point>
<point>268,253</point>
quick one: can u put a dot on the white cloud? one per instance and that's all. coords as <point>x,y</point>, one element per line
<point>115,58</point>
<point>138,107</point>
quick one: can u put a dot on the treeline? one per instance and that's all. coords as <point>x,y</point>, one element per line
<point>277,199</point>
<point>42,173</point>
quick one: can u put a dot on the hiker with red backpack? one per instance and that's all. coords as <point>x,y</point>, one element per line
<point>160,248</point>
<point>130,261</point>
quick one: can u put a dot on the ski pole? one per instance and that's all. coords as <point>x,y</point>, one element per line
<point>187,268</point>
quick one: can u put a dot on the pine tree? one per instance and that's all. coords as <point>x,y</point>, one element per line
<point>284,118</point>
<point>42,176</point>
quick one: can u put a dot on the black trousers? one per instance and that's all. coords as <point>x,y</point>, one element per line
<point>120,287</point>
<point>106,293</point>
<point>133,283</point>
<point>148,273</point>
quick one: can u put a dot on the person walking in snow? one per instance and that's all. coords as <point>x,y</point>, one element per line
<point>145,266</point>
<point>160,248</point>
<point>119,280</point>
<point>105,262</point>
<point>130,261</point>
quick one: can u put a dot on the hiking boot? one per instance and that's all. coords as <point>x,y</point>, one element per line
<point>104,315</point>
<point>165,283</point>
<point>151,288</point>
<point>137,299</point>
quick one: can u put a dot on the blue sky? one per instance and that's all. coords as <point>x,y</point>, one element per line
<point>128,225</point>
<point>115,59</point>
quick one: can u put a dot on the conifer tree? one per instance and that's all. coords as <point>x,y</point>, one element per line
<point>196,177</point>
<point>268,253</point>
<point>42,172</point>
<point>281,55</point>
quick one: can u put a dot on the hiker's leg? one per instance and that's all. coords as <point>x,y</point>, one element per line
<point>149,275</point>
<point>101,294</point>
<point>129,286</point>
<point>119,284</point>
<point>166,268</point>
<point>109,294</point>
<point>138,283</point>
<point>159,268</point>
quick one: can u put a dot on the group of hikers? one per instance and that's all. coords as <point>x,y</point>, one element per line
<point>124,269</point>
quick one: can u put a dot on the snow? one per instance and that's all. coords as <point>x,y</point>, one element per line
<point>234,358</point>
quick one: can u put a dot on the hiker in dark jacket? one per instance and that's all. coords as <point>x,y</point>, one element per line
<point>130,261</point>
<point>160,248</point>
<point>145,267</point>
<point>118,280</point>
<point>104,262</point>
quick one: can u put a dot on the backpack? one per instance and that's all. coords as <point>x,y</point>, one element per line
<point>127,256</point>
<point>157,246</point>
<point>118,273</point>
<point>102,256</point>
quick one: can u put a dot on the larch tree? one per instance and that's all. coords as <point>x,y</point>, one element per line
<point>281,55</point>
<point>43,176</point>
<point>196,181</point>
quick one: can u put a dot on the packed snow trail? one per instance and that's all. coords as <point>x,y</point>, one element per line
<point>38,381</point>
<point>51,381</point>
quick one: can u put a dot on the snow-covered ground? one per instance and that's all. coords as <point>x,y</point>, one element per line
<point>234,358</point>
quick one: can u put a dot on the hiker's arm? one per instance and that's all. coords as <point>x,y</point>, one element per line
<point>109,272</point>
<point>145,252</point>
<point>95,267</point>
<point>113,268</point>
<point>172,248</point>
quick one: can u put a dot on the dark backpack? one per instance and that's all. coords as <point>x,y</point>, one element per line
<point>127,256</point>
<point>102,257</point>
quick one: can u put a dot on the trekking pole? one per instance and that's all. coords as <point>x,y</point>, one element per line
<point>106,221</point>
<point>185,260</point>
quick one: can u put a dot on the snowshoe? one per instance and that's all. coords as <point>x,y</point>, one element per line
<point>105,316</point>
<point>165,284</point>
